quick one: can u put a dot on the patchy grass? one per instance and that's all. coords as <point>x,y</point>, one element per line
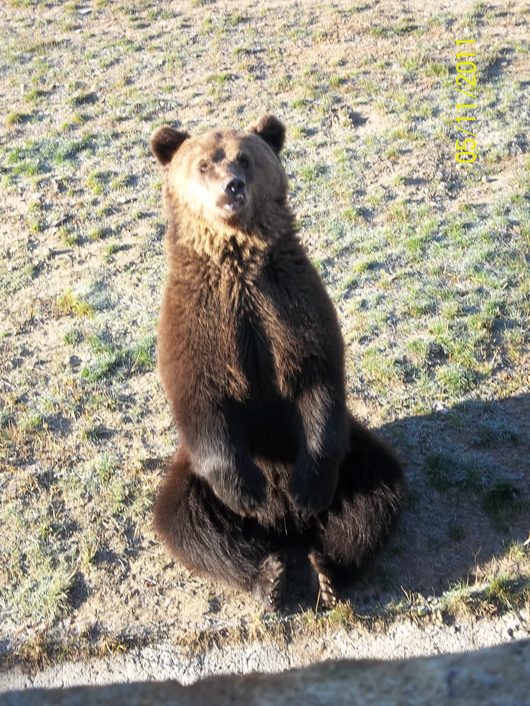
<point>503,585</point>
<point>502,500</point>
<point>115,360</point>
<point>17,117</point>
<point>445,471</point>
<point>427,262</point>
<point>70,304</point>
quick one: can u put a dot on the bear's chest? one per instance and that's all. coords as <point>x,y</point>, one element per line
<point>265,336</point>
<point>248,320</point>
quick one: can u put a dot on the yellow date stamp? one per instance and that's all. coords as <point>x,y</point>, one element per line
<point>467,87</point>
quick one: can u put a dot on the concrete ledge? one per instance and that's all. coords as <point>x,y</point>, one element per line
<point>499,676</point>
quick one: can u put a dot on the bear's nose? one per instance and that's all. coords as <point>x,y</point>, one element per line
<point>235,187</point>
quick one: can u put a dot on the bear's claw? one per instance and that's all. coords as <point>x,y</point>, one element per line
<point>268,587</point>
<point>328,596</point>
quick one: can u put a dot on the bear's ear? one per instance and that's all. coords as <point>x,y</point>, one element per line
<point>270,129</point>
<point>165,141</point>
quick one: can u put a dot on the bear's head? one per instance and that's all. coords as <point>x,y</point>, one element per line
<point>224,176</point>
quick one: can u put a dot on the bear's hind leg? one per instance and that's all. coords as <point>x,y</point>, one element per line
<point>367,501</point>
<point>207,537</point>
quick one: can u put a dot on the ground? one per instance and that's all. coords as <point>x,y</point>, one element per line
<point>426,260</point>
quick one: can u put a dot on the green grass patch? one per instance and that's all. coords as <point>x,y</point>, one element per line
<point>445,471</point>
<point>456,380</point>
<point>72,305</point>
<point>380,369</point>
<point>17,118</point>
<point>73,336</point>
<point>490,436</point>
<point>220,79</point>
<point>502,590</point>
<point>501,501</point>
<point>114,360</point>
<point>83,98</point>
<point>40,156</point>
<point>312,172</point>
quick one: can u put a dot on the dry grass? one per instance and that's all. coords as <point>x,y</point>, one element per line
<point>427,262</point>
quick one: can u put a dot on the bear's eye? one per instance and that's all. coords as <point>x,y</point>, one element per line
<point>242,160</point>
<point>203,166</point>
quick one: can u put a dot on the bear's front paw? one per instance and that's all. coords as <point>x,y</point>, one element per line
<point>243,491</point>
<point>313,483</point>
<point>269,583</point>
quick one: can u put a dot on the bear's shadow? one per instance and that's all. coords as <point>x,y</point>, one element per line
<point>459,465</point>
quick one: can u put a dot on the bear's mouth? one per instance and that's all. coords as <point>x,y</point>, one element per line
<point>232,205</point>
<point>234,196</point>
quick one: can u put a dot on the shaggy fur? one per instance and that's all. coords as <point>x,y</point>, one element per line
<point>251,360</point>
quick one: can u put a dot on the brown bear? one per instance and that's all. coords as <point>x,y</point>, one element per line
<point>251,359</point>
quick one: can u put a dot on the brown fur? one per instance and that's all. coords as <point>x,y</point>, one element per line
<point>251,360</point>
